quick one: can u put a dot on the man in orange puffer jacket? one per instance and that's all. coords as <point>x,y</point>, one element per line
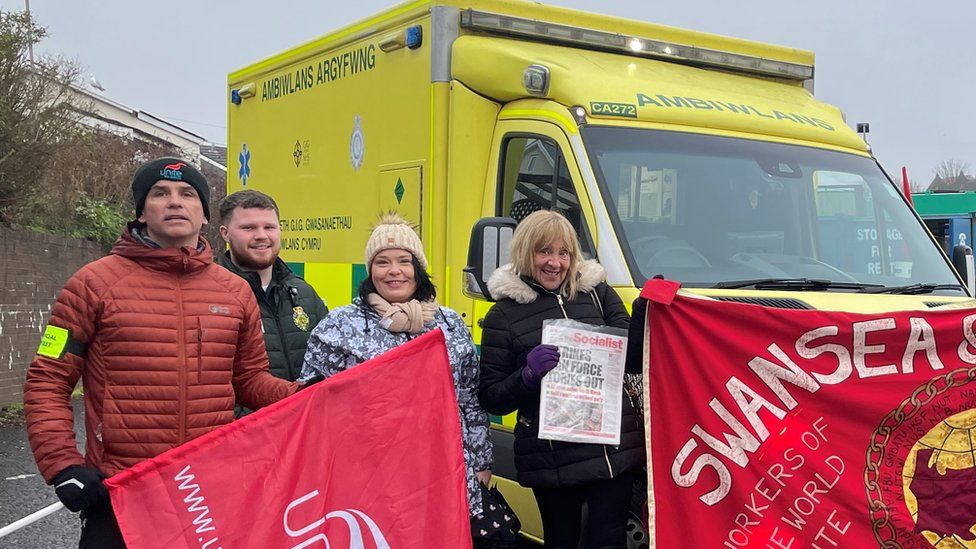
<point>163,339</point>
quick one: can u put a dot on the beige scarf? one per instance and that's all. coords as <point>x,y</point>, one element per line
<point>403,317</point>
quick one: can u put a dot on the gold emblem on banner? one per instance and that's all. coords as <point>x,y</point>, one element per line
<point>949,447</point>
<point>921,465</point>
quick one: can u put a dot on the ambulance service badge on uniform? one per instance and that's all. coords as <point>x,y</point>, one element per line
<point>301,318</point>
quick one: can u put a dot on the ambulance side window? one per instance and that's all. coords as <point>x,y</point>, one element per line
<point>533,176</point>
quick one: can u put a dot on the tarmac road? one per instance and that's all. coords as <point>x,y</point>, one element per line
<point>23,491</point>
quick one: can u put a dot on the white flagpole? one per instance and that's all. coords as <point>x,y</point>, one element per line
<point>31,518</point>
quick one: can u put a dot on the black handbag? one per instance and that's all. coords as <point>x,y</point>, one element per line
<point>496,527</point>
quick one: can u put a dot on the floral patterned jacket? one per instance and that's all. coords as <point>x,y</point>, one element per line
<point>350,335</point>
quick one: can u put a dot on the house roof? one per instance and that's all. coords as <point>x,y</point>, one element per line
<point>217,153</point>
<point>123,119</point>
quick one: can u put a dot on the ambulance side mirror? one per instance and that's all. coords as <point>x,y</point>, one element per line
<point>487,251</point>
<point>962,260</point>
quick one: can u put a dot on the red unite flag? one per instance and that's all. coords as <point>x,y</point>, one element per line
<point>369,458</point>
<point>788,429</point>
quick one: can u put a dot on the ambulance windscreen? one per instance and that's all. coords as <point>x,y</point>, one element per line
<point>704,210</point>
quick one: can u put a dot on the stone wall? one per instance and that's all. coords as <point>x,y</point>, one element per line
<point>33,268</point>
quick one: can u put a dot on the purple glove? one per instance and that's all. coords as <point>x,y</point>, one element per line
<point>538,362</point>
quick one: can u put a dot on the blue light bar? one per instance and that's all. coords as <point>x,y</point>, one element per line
<point>414,37</point>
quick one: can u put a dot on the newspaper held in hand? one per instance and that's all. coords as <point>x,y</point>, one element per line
<point>581,397</point>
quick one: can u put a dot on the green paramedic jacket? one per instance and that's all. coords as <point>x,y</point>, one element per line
<point>290,310</point>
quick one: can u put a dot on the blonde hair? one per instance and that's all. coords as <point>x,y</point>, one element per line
<point>538,230</point>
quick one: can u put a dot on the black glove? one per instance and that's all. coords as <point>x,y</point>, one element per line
<point>80,487</point>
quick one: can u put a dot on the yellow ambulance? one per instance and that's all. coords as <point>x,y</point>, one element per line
<point>702,158</point>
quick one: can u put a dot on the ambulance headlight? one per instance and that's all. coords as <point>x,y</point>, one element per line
<point>535,80</point>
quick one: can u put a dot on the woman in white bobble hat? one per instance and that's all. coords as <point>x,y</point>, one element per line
<point>397,302</point>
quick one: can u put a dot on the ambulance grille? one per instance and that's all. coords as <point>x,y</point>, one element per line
<point>777,302</point>
<point>936,303</point>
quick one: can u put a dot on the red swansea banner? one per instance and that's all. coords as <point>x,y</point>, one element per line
<point>370,458</point>
<point>788,429</point>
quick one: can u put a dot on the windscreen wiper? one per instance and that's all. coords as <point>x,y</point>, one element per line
<point>797,284</point>
<point>915,289</point>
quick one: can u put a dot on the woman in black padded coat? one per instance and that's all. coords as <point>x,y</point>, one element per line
<point>548,279</point>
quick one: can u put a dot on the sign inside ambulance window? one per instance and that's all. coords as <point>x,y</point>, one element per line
<point>840,193</point>
<point>847,212</point>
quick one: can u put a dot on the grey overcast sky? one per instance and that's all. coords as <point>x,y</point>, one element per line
<point>907,67</point>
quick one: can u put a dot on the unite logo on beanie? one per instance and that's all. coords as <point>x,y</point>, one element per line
<point>172,171</point>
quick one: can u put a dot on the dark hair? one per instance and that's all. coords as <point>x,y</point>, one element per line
<point>246,199</point>
<point>425,286</point>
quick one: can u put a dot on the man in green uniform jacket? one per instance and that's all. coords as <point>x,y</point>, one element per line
<point>290,308</point>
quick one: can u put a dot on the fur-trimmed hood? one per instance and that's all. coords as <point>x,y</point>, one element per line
<point>505,283</point>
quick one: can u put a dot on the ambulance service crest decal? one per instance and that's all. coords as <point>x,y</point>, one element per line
<point>357,143</point>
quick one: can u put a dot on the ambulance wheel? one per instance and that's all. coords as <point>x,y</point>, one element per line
<point>637,537</point>
<point>636,534</point>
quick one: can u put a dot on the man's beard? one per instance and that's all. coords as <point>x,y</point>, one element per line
<point>245,261</point>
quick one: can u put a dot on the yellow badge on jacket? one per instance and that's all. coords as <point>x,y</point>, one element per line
<point>300,318</point>
<point>55,339</point>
